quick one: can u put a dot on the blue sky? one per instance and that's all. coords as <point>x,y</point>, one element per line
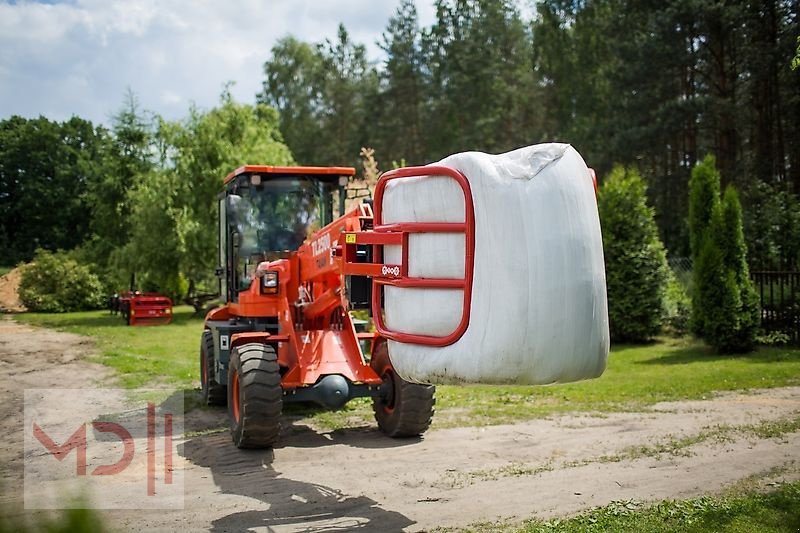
<point>78,57</point>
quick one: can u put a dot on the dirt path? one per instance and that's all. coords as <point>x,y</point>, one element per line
<point>358,479</point>
<point>35,358</point>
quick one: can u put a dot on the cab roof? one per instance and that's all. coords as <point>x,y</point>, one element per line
<point>305,171</point>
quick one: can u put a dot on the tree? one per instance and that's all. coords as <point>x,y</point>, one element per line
<point>294,87</point>
<point>322,93</point>
<point>734,256</point>
<point>46,169</point>
<point>401,101</point>
<point>173,244</point>
<point>703,201</point>
<point>636,265</point>
<point>482,85</point>
<point>131,156</point>
<point>724,305</point>
<point>708,269</point>
<point>349,84</point>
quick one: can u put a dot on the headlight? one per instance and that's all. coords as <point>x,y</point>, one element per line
<point>269,282</point>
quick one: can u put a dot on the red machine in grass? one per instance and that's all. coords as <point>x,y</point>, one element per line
<point>144,309</point>
<point>290,275</point>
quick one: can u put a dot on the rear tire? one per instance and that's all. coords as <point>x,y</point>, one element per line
<point>213,393</point>
<point>403,409</point>
<point>255,396</point>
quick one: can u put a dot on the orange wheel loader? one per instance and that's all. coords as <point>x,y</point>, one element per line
<point>289,276</point>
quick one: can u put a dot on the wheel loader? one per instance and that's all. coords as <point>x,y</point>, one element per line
<point>290,274</point>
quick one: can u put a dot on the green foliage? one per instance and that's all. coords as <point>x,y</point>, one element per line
<point>772,230</point>
<point>703,201</point>
<point>55,283</point>
<point>708,276</point>
<point>716,297</point>
<point>775,511</point>
<point>401,102</point>
<point>46,168</point>
<point>131,158</point>
<point>637,377</point>
<point>774,338</point>
<point>636,266</point>
<point>734,250</point>
<point>76,517</point>
<point>677,307</point>
<point>724,304</point>
<point>173,238</point>
<point>482,84</point>
<point>323,94</point>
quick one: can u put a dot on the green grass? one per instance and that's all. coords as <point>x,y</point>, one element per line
<point>142,356</point>
<point>777,511</point>
<point>637,376</point>
<point>5,270</point>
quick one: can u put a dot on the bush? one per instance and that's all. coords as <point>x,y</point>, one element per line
<point>715,287</point>
<point>677,307</point>
<point>724,303</point>
<point>636,265</point>
<point>54,283</point>
<point>703,202</point>
<point>734,255</point>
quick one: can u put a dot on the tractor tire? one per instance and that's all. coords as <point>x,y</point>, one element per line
<point>255,396</point>
<point>403,409</point>
<point>213,393</point>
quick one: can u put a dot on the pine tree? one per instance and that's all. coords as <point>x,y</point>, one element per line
<point>402,97</point>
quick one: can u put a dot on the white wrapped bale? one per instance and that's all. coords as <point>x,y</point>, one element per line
<point>538,312</point>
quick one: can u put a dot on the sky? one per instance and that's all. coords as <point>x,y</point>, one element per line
<point>79,57</point>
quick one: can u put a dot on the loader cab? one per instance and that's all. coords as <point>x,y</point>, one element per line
<point>266,212</point>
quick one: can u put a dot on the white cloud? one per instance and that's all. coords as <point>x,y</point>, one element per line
<point>79,57</point>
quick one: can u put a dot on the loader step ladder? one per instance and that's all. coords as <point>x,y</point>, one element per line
<point>397,234</point>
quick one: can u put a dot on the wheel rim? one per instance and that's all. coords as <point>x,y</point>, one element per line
<point>388,386</point>
<point>235,396</point>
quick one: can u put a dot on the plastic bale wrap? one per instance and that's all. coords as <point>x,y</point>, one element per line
<point>538,311</point>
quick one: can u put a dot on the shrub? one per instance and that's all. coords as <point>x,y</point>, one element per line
<point>703,202</point>
<point>715,287</point>
<point>677,307</point>
<point>734,256</point>
<point>54,283</point>
<point>724,303</point>
<point>636,265</point>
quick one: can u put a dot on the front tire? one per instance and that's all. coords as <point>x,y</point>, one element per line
<point>403,409</point>
<point>255,396</point>
<point>212,392</point>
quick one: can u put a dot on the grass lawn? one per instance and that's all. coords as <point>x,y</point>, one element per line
<point>772,512</point>
<point>6,269</point>
<point>142,356</point>
<point>637,376</point>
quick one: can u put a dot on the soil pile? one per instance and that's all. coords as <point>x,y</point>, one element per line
<point>9,292</point>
